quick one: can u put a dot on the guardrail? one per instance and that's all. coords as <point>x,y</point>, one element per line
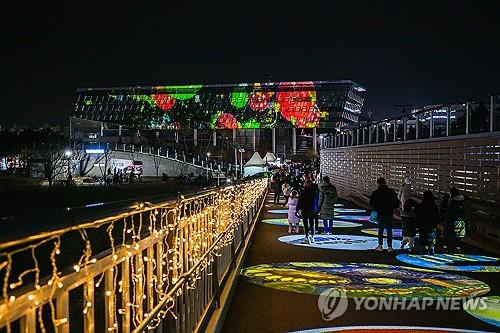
<point>477,115</point>
<point>193,160</point>
<point>159,266</point>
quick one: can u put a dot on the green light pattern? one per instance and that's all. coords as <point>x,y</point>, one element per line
<point>181,92</point>
<point>251,123</point>
<point>239,98</point>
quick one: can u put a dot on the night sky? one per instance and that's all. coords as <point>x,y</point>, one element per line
<point>419,53</point>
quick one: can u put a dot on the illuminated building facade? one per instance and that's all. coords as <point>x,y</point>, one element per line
<point>304,104</point>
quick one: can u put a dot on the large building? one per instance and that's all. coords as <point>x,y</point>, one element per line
<point>305,104</point>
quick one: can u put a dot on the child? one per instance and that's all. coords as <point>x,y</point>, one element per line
<point>293,219</point>
<point>427,220</point>
<point>408,223</point>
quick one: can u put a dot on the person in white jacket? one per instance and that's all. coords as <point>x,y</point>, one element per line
<point>293,219</point>
<point>286,189</point>
<point>404,192</point>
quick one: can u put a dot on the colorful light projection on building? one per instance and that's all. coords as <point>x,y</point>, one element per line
<point>301,104</point>
<point>489,313</point>
<point>453,262</point>
<point>363,280</point>
<point>338,242</point>
<point>336,223</point>
<point>388,329</point>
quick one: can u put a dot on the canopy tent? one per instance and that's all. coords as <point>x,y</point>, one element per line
<point>254,165</point>
<point>270,158</point>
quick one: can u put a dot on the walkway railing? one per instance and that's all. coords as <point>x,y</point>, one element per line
<point>193,160</point>
<point>159,266</point>
<point>478,115</point>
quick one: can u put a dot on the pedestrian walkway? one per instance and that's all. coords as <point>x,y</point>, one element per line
<point>283,278</point>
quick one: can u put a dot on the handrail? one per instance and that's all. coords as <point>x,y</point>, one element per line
<point>158,256</point>
<point>423,123</point>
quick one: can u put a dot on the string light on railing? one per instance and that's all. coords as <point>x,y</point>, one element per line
<point>179,258</point>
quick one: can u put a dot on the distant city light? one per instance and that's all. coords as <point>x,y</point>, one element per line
<point>94,151</point>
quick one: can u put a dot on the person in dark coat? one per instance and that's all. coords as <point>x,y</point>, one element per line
<point>316,208</point>
<point>408,226</point>
<point>427,221</point>
<point>277,183</point>
<point>305,209</point>
<point>327,201</point>
<point>454,221</point>
<point>384,200</point>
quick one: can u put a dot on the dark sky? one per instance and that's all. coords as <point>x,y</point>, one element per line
<point>402,52</point>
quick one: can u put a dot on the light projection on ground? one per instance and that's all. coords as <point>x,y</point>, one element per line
<point>336,223</point>
<point>337,210</point>
<point>388,329</point>
<point>397,233</point>
<point>453,262</point>
<point>490,313</point>
<point>363,280</point>
<point>338,242</point>
<point>362,218</point>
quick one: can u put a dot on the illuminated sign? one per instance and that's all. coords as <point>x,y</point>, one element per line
<point>94,151</point>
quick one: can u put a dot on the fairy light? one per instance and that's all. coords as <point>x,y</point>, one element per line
<point>188,235</point>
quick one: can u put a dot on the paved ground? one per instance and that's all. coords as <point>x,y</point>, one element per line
<point>255,308</point>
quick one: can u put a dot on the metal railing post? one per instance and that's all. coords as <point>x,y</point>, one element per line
<point>448,124</point>
<point>431,125</point>
<point>417,126</point>
<point>467,116</point>
<point>377,133</point>
<point>405,127</point>
<point>492,113</point>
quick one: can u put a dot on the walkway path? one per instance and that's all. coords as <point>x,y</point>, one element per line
<point>256,308</point>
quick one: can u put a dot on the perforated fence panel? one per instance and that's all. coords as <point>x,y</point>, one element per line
<point>471,164</point>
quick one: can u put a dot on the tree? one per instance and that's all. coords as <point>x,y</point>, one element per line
<point>156,160</point>
<point>51,153</point>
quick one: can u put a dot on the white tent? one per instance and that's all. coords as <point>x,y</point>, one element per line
<point>255,165</point>
<point>270,158</point>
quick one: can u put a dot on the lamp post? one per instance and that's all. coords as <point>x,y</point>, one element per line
<point>241,150</point>
<point>68,153</point>
<point>208,167</point>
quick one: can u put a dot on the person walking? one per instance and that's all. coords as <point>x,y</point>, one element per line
<point>384,200</point>
<point>316,208</point>
<point>454,221</point>
<point>427,220</point>
<point>293,219</point>
<point>286,188</point>
<point>305,209</point>
<point>327,201</point>
<point>277,187</point>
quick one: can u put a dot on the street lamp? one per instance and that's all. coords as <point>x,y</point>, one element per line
<point>68,153</point>
<point>208,168</point>
<point>241,150</point>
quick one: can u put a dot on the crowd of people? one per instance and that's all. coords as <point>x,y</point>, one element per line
<point>423,217</point>
<point>305,199</point>
<point>308,198</point>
